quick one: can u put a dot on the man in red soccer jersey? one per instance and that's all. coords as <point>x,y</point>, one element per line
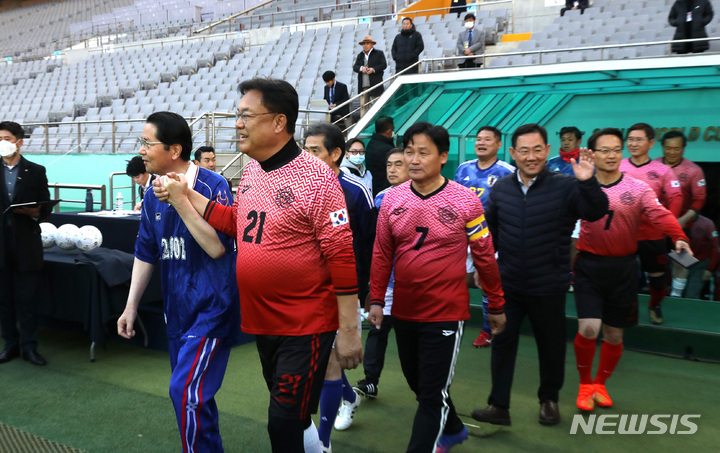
<point>692,183</point>
<point>295,269</point>
<point>606,268</point>
<point>651,242</point>
<point>424,228</point>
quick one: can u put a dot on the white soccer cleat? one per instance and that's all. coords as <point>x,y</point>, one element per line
<point>346,413</point>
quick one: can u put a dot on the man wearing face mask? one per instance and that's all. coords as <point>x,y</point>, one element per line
<point>21,250</point>
<point>407,46</point>
<point>471,41</point>
<point>354,162</point>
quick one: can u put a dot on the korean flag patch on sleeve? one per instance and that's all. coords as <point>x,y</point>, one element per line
<point>339,217</point>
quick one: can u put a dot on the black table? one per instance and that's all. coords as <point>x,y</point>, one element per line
<point>119,232</point>
<point>75,290</point>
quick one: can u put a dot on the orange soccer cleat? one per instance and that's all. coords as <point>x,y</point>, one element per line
<point>585,401</point>
<point>601,396</point>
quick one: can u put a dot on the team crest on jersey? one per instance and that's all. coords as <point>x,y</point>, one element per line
<point>491,180</point>
<point>701,183</point>
<point>284,197</point>
<point>653,176</point>
<point>338,218</point>
<point>223,198</point>
<point>447,215</point>
<point>158,216</point>
<point>398,211</point>
<point>675,183</point>
<point>627,198</point>
<point>244,188</point>
<point>683,177</point>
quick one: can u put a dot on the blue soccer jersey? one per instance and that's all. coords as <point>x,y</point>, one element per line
<point>200,295</point>
<point>481,181</point>
<point>363,217</point>
<point>557,164</point>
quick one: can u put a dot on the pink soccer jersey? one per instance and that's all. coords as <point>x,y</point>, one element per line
<point>616,233</point>
<point>692,184</point>
<point>662,180</point>
<point>294,247</point>
<point>427,237</point>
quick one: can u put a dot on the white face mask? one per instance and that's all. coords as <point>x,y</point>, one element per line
<point>356,159</point>
<point>469,25</point>
<point>7,149</point>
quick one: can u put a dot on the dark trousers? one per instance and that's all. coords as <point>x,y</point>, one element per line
<point>547,317</point>
<point>18,320</point>
<point>375,347</point>
<point>428,352</point>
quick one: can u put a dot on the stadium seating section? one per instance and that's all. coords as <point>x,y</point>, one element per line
<point>148,55</point>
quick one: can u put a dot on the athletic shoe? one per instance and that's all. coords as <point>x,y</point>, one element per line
<point>656,316</point>
<point>366,389</point>
<point>585,401</point>
<point>448,441</point>
<point>483,340</point>
<point>346,413</point>
<point>601,396</point>
<point>326,449</point>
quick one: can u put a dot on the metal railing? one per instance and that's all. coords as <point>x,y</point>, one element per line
<point>132,188</point>
<point>84,187</point>
<point>540,52</point>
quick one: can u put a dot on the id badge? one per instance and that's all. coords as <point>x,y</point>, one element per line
<point>688,16</point>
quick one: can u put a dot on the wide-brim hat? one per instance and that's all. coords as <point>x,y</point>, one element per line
<point>369,39</point>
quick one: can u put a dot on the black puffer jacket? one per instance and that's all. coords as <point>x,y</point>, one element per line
<point>702,14</point>
<point>532,232</point>
<point>406,48</point>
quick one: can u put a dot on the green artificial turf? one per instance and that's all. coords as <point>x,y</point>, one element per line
<point>120,402</point>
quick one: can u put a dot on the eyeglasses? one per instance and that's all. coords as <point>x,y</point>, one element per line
<point>636,140</point>
<point>146,144</point>
<point>524,152</point>
<point>247,116</point>
<point>356,152</point>
<point>605,151</point>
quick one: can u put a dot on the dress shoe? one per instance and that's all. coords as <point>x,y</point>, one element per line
<point>34,357</point>
<point>8,354</point>
<point>493,415</point>
<point>549,413</point>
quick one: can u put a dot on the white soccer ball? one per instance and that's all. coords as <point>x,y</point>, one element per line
<point>66,236</point>
<point>89,238</point>
<point>47,234</point>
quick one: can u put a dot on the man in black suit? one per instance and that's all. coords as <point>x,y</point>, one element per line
<point>140,176</point>
<point>21,249</point>
<point>574,4</point>
<point>335,94</point>
<point>369,64</point>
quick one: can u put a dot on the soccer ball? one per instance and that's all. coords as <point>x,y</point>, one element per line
<point>89,238</point>
<point>48,234</point>
<point>66,235</point>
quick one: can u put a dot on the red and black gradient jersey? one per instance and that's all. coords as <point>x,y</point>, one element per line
<point>662,180</point>
<point>616,234</point>
<point>426,236</point>
<point>294,244</point>
<point>692,183</point>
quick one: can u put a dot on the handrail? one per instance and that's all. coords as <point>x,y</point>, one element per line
<point>56,193</point>
<point>133,192</point>
<point>603,47</point>
<point>231,17</point>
